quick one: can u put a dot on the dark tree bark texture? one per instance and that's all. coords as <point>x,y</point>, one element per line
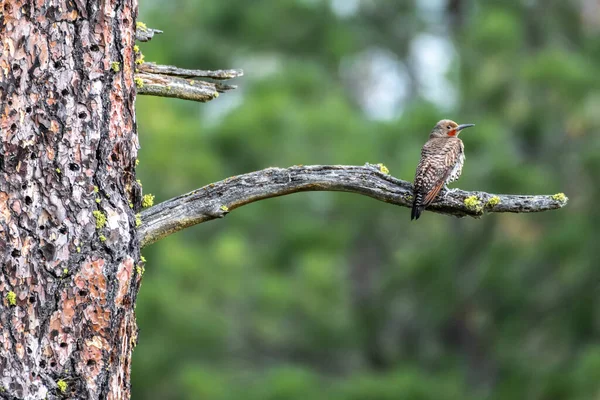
<point>68,242</point>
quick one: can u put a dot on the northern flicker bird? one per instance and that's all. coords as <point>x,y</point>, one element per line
<point>442,159</point>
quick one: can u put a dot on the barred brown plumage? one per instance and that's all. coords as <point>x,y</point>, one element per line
<point>442,159</point>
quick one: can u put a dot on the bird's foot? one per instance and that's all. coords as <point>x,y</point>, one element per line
<point>448,191</point>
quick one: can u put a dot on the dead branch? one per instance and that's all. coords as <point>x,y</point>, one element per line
<point>218,199</point>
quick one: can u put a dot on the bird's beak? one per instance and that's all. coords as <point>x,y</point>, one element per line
<point>463,126</point>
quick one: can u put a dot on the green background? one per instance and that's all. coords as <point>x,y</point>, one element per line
<point>337,296</point>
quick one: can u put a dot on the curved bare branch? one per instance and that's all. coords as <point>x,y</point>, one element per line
<point>218,199</point>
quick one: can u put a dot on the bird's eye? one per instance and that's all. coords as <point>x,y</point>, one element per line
<point>449,127</point>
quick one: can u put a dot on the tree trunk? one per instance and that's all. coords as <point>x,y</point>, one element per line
<point>68,244</point>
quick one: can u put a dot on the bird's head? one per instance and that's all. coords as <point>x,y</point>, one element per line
<point>447,128</point>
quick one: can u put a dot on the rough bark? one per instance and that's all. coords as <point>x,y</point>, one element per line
<point>218,199</point>
<point>68,279</point>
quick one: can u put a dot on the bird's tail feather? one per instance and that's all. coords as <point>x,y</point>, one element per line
<point>417,207</point>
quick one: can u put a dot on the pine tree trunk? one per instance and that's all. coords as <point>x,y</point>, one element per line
<point>68,245</point>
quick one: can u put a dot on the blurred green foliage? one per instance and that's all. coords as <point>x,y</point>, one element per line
<point>336,296</point>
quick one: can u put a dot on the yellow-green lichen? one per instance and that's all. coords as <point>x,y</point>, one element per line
<point>11,297</point>
<point>100,219</point>
<point>147,200</point>
<point>140,270</point>
<point>58,170</point>
<point>139,181</point>
<point>383,169</point>
<point>141,25</point>
<point>98,200</point>
<point>143,259</point>
<point>102,238</point>
<point>473,203</point>
<point>65,271</point>
<point>139,59</point>
<point>138,220</point>
<point>130,205</point>
<point>136,48</point>
<point>115,66</point>
<point>224,208</point>
<point>139,83</point>
<point>96,190</point>
<point>493,201</point>
<point>137,162</point>
<point>560,197</point>
<point>62,386</point>
<point>78,249</point>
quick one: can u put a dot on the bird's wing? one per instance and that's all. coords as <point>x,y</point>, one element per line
<point>441,161</point>
<point>432,194</point>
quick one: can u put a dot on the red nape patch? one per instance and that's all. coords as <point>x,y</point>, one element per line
<point>452,132</point>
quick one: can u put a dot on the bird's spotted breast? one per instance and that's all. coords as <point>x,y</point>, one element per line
<point>457,169</point>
